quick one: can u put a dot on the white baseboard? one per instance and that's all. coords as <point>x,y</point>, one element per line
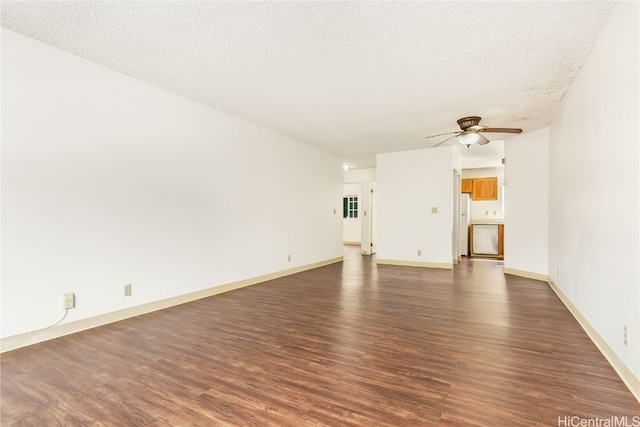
<point>527,274</point>
<point>447,266</point>
<point>630,380</point>
<point>28,338</point>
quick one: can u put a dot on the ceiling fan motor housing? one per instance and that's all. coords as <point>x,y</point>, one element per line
<point>466,122</point>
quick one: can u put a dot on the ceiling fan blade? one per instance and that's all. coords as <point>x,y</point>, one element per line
<point>442,142</point>
<point>441,134</point>
<point>483,140</point>
<point>501,130</point>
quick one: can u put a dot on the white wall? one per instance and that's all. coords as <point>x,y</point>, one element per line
<point>526,205</point>
<point>594,188</point>
<point>353,176</point>
<point>409,184</point>
<point>483,210</point>
<point>107,180</point>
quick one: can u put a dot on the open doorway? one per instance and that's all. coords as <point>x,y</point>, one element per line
<point>483,190</point>
<point>360,216</point>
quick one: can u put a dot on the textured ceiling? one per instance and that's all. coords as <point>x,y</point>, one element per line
<point>352,78</point>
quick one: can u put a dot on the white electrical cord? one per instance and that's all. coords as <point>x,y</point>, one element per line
<point>66,310</point>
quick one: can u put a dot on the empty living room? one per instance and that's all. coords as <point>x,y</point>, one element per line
<point>180,183</point>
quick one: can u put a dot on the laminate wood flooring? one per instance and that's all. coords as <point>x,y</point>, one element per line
<point>349,344</point>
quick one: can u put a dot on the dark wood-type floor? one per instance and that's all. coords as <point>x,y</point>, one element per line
<point>350,344</point>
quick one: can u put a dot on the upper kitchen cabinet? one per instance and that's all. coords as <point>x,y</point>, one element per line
<point>466,186</point>
<point>485,188</point>
<point>481,188</point>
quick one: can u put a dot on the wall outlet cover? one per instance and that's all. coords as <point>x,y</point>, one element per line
<point>68,300</point>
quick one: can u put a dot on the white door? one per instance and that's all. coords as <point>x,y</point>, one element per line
<point>465,216</point>
<point>368,220</point>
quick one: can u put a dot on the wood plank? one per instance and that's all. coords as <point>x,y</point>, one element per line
<point>349,344</point>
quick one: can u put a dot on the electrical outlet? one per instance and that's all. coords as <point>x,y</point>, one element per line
<point>626,335</point>
<point>68,301</point>
<point>289,258</point>
<point>127,290</point>
<point>434,209</point>
<point>419,252</point>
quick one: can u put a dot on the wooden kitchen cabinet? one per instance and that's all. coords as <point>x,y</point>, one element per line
<point>485,188</point>
<point>467,186</point>
<point>480,188</point>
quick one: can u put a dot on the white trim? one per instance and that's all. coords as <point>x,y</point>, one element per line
<point>447,266</point>
<point>34,337</point>
<point>630,380</point>
<point>527,274</point>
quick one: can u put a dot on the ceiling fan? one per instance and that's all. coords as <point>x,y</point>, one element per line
<point>471,132</point>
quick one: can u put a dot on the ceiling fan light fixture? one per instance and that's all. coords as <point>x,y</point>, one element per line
<point>467,122</point>
<point>472,132</point>
<point>468,138</point>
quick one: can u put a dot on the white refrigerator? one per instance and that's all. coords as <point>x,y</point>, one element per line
<point>465,220</point>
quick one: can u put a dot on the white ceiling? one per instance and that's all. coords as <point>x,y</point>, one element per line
<point>352,78</point>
